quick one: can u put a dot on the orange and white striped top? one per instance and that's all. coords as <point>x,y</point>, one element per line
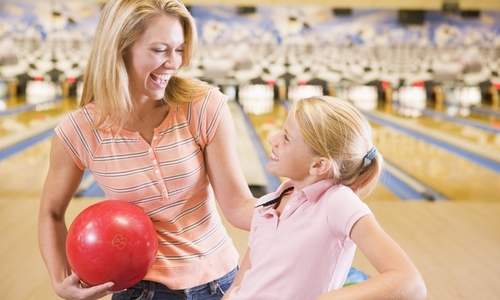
<point>168,180</point>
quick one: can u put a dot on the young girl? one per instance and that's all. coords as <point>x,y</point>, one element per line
<point>303,236</point>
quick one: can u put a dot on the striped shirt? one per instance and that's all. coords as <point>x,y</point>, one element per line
<point>168,180</point>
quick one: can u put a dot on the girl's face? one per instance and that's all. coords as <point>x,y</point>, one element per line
<point>154,57</point>
<point>291,156</point>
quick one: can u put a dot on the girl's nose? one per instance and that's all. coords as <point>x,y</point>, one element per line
<point>272,139</point>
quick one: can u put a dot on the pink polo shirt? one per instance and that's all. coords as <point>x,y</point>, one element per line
<point>306,251</point>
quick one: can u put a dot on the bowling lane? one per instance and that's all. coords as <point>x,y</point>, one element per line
<point>25,120</point>
<point>488,115</point>
<point>22,175</point>
<point>268,124</point>
<point>487,138</point>
<point>248,156</point>
<point>484,139</point>
<point>19,251</point>
<point>453,176</point>
<point>10,103</point>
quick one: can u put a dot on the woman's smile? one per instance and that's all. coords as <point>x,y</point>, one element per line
<point>161,79</point>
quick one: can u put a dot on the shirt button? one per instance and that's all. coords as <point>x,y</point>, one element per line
<point>287,207</point>
<point>154,161</point>
<point>155,137</point>
<point>150,150</point>
<point>157,171</point>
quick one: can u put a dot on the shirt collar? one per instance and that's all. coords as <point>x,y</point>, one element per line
<point>312,193</point>
<point>316,190</point>
<point>269,198</point>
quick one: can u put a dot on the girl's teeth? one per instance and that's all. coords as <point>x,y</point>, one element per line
<point>274,157</point>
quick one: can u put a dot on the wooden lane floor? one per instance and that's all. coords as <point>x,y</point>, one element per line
<point>23,272</point>
<point>22,174</point>
<point>22,122</point>
<point>487,137</point>
<point>452,175</point>
<point>455,177</point>
<point>454,244</point>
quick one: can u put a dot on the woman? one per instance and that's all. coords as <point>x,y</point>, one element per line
<point>159,141</point>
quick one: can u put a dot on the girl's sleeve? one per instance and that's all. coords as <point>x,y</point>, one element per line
<point>344,209</point>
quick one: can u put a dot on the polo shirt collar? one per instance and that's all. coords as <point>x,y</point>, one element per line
<point>315,191</point>
<point>312,193</point>
<point>271,198</point>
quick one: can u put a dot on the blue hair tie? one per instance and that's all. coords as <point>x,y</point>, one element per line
<point>370,155</point>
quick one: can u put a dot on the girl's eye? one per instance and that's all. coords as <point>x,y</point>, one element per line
<point>159,50</point>
<point>180,50</point>
<point>286,137</point>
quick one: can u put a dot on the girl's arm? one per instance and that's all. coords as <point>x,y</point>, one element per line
<point>245,265</point>
<point>398,277</point>
<point>61,183</point>
<point>226,176</point>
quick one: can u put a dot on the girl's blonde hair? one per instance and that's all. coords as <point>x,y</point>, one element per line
<point>106,79</point>
<point>336,130</point>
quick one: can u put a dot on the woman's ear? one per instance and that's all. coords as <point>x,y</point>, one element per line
<point>321,167</point>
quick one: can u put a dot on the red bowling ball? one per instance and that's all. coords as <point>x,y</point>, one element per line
<point>113,241</point>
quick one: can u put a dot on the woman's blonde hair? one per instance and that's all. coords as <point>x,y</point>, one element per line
<point>336,130</point>
<point>106,79</point>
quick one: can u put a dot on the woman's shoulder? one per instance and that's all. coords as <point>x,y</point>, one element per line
<point>82,115</point>
<point>211,95</point>
<point>87,108</point>
<point>209,100</point>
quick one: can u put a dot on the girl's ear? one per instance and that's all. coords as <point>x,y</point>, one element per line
<point>321,167</point>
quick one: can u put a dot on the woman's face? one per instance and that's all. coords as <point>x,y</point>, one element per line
<point>154,57</point>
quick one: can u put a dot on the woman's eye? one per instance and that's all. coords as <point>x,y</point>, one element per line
<point>159,50</point>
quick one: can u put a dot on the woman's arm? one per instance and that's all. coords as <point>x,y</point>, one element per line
<point>398,277</point>
<point>61,183</point>
<point>245,265</point>
<point>226,176</point>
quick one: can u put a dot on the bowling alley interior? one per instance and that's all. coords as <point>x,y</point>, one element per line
<point>424,73</point>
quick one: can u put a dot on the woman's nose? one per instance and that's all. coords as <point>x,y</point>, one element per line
<point>170,60</point>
